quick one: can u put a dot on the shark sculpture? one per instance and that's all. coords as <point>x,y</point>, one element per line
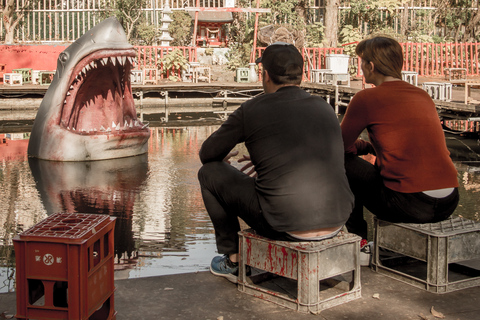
<point>88,111</point>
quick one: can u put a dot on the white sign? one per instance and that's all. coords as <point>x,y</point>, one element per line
<point>48,259</point>
<point>229,3</point>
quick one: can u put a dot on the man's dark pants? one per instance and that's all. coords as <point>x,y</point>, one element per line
<point>228,194</point>
<point>369,190</point>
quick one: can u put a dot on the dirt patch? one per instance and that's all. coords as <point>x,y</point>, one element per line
<point>222,74</point>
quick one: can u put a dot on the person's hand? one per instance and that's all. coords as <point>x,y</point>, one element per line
<point>248,166</point>
<point>229,155</point>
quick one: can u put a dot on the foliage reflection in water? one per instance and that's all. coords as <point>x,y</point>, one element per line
<point>162,226</point>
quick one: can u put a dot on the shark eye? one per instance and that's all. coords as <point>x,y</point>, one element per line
<point>63,57</point>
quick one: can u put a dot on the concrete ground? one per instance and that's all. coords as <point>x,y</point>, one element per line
<point>204,296</point>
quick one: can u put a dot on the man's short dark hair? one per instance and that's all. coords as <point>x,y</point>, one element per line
<point>283,62</point>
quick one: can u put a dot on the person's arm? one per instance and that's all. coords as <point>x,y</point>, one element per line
<point>218,146</point>
<point>353,123</point>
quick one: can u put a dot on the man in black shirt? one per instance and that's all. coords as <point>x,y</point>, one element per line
<point>299,191</point>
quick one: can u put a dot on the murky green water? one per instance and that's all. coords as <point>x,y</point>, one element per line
<point>162,226</point>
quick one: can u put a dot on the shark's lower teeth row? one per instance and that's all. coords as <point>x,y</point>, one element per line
<point>134,124</point>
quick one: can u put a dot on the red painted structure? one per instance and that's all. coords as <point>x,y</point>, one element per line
<point>44,57</point>
<point>431,59</point>
<point>38,57</point>
<point>211,31</point>
<point>257,10</point>
<point>428,59</point>
<point>13,146</point>
<point>211,34</point>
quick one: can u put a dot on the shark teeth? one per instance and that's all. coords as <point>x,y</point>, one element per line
<point>122,60</point>
<point>117,61</point>
<point>127,125</point>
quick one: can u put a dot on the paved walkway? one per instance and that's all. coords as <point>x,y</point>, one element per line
<point>201,295</point>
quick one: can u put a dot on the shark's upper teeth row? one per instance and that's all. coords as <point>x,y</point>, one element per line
<point>117,127</point>
<point>104,61</point>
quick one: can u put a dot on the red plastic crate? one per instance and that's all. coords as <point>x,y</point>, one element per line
<point>64,268</point>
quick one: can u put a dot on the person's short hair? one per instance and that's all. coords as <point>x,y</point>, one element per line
<point>283,62</point>
<point>385,53</point>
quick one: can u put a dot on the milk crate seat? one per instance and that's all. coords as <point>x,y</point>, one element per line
<point>303,276</point>
<point>438,257</point>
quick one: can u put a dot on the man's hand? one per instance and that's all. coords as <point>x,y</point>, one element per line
<point>231,154</point>
<point>248,166</point>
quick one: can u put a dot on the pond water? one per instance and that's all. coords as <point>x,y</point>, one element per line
<point>162,226</point>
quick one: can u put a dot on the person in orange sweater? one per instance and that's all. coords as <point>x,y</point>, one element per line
<point>413,179</point>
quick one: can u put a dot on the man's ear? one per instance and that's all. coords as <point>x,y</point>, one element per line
<point>266,75</point>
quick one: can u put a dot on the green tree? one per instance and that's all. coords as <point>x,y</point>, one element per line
<point>181,28</point>
<point>371,12</point>
<point>128,12</point>
<point>145,33</point>
<point>172,64</point>
<point>457,15</point>
<point>12,17</point>
<point>315,34</point>
<point>241,38</point>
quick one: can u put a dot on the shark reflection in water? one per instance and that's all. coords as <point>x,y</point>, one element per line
<point>100,187</point>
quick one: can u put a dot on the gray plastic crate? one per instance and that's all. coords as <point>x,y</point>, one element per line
<point>438,257</point>
<point>304,276</point>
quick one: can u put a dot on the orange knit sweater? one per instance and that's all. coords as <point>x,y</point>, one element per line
<point>406,134</point>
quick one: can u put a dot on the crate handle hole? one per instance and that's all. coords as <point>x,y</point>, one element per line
<point>72,220</point>
<point>60,228</point>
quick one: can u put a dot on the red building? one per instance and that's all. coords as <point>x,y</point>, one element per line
<point>211,28</point>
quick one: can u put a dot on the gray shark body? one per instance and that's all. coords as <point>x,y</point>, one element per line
<point>88,112</point>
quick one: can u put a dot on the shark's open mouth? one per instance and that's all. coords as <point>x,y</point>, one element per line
<point>99,98</point>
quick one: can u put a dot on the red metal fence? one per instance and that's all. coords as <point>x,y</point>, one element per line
<point>431,59</point>
<point>428,59</point>
<point>152,57</point>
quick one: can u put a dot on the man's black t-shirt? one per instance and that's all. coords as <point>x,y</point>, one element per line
<point>294,141</point>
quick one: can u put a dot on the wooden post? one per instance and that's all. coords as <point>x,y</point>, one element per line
<point>254,48</point>
<point>194,38</point>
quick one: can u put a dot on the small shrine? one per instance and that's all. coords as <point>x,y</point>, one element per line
<point>211,29</point>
